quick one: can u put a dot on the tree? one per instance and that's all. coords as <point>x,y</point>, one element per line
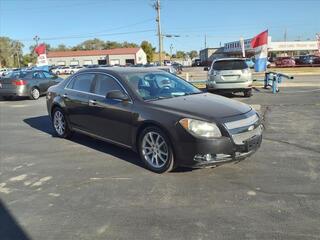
<point>111,45</point>
<point>129,45</point>
<point>180,54</point>
<point>61,47</point>
<point>10,52</point>
<point>193,54</point>
<point>148,49</point>
<point>92,44</point>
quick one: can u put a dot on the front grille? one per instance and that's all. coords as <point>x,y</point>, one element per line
<point>240,138</point>
<point>246,122</point>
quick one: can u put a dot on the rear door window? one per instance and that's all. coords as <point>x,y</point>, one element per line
<point>82,82</point>
<point>38,75</point>
<point>48,75</point>
<point>105,84</point>
<point>230,65</point>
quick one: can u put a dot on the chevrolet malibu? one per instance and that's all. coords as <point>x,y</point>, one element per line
<point>168,121</point>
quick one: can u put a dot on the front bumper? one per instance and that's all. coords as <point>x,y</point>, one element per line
<point>212,152</point>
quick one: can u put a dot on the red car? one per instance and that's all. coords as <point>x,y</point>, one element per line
<point>285,61</point>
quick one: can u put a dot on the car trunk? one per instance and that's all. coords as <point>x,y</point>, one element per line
<point>7,83</point>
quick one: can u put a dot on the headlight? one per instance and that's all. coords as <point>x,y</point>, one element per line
<point>200,128</point>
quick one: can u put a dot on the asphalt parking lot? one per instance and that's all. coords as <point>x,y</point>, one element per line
<point>83,188</point>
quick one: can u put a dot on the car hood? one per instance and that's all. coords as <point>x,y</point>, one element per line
<point>206,106</point>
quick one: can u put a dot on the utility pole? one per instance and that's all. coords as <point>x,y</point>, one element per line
<point>205,41</point>
<point>157,7</point>
<point>285,35</point>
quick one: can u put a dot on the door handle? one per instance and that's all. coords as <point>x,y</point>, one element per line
<point>65,95</point>
<point>92,102</point>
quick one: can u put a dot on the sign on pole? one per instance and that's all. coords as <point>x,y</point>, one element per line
<point>42,61</point>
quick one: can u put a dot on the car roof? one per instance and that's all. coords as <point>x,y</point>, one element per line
<point>123,70</point>
<point>229,59</point>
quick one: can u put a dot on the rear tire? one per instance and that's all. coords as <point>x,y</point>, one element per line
<point>34,94</point>
<point>155,150</point>
<point>60,123</point>
<point>247,93</point>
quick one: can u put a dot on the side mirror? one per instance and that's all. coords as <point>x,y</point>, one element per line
<point>206,69</point>
<point>117,95</point>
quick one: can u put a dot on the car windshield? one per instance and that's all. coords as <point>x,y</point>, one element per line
<point>159,85</point>
<point>230,65</point>
<point>16,74</point>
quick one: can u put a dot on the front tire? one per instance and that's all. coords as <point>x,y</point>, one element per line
<point>156,150</point>
<point>34,94</point>
<point>60,123</point>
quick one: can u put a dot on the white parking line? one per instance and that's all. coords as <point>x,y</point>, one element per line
<point>302,91</point>
<point>19,106</point>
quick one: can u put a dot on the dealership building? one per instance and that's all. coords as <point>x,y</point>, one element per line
<point>275,49</point>
<point>117,56</point>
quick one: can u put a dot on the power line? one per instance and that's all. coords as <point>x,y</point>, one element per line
<point>87,36</point>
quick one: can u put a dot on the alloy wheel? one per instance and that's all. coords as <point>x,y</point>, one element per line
<point>155,149</point>
<point>35,93</point>
<point>59,122</point>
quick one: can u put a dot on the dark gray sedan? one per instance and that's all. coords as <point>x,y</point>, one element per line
<point>168,121</point>
<point>30,84</point>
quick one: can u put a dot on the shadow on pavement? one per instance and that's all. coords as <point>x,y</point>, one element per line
<point>43,124</point>
<point>9,227</point>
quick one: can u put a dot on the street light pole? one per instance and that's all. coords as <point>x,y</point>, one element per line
<point>36,38</point>
<point>157,7</point>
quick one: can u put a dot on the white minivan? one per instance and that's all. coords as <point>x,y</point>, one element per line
<point>230,75</point>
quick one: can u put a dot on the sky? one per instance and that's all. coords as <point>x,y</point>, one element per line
<point>70,22</point>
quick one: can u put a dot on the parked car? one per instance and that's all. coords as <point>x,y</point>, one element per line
<point>285,61</point>
<point>59,70</point>
<point>305,59</point>
<point>167,62</point>
<point>30,84</point>
<point>167,120</point>
<point>3,71</point>
<point>74,69</point>
<point>196,62</point>
<point>317,60</point>
<point>178,67</point>
<point>230,75</point>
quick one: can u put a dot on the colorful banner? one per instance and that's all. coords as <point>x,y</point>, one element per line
<point>42,55</point>
<point>260,45</point>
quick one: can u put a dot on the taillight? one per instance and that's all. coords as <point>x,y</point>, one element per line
<point>19,82</point>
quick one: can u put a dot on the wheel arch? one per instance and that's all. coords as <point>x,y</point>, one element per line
<point>145,125</point>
